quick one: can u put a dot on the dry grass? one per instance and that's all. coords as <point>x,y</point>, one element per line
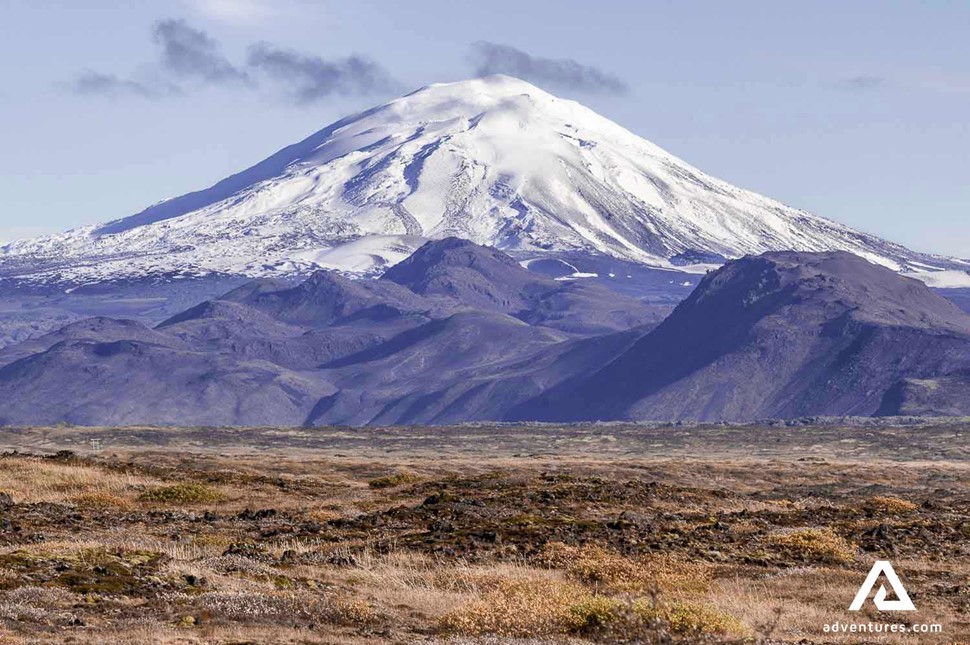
<point>891,505</point>
<point>281,608</point>
<point>799,602</point>
<point>813,545</point>
<point>595,566</point>
<point>521,608</point>
<point>429,585</point>
<point>691,618</point>
<point>180,548</point>
<point>101,500</point>
<point>390,481</point>
<point>183,493</point>
<point>534,608</point>
<point>32,480</point>
<point>600,594</point>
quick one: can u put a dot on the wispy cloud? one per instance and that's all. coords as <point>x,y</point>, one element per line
<point>192,52</point>
<point>918,81</point>
<point>493,58</point>
<point>91,82</point>
<point>191,58</point>
<point>861,83</point>
<point>311,78</point>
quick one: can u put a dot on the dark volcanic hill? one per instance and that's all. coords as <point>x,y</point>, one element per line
<point>269,352</point>
<point>487,279</point>
<point>460,332</point>
<point>130,382</point>
<point>100,329</point>
<point>778,336</point>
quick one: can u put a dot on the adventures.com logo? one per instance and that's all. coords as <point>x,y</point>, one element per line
<point>882,570</point>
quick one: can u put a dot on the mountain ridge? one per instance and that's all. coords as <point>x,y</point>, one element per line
<point>464,333</point>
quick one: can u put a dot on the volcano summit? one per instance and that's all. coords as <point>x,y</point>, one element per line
<point>494,160</point>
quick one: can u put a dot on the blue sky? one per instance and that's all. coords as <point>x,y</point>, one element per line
<point>857,111</point>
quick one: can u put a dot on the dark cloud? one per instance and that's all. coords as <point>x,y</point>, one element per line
<point>862,82</point>
<point>312,78</point>
<point>190,57</point>
<point>193,53</point>
<point>96,83</point>
<point>492,58</point>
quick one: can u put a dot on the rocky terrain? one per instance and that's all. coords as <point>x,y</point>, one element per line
<point>490,534</point>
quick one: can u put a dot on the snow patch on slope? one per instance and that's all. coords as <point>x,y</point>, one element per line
<point>951,279</point>
<point>365,255</point>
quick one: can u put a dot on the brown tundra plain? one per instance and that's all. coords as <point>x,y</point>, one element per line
<point>487,534</point>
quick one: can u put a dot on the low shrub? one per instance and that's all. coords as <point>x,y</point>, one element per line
<point>690,618</point>
<point>891,505</point>
<point>390,481</point>
<point>814,545</point>
<point>539,608</point>
<point>595,612</point>
<point>183,493</point>
<point>523,609</point>
<point>100,501</point>
<point>593,565</point>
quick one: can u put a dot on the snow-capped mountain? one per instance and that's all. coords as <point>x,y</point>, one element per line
<point>494,160</point>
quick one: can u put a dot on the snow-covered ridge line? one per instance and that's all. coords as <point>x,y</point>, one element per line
<point>494,160</point>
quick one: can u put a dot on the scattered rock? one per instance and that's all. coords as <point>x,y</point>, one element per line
<point>248,550</point>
